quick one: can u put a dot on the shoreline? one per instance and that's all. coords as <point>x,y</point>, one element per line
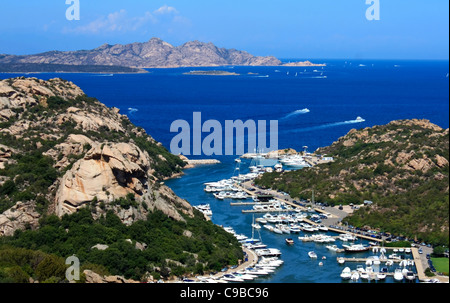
<point>145,70</point>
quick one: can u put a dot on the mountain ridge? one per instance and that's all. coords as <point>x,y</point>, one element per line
<point>154,53</point>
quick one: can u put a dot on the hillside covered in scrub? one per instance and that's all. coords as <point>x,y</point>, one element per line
<point>402,167</point>
<point>77,177</point>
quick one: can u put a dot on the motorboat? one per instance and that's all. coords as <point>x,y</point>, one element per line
<point>255,271</point>
<point>355,248</point>
<point>254,246</point>
<point>398,276</point>
<point>241,237</point>
<point>244,276</point>
<point>270,261</point>
<point>295,229</point>
<point>381,276</point>
<point>289,241</point>
<point>332,248</point>
<point>269,227</point>
<point>322,227</point>
<point>308,228</point>
<point>256,226</point>
<point>312,255</point>
<point>277,231</point>
<point>268,252</point>
<point>323,239</point>
<point>341,260</point>
<point>354,276</point>
<point>347,237</point>
<point>305,238</point>
<point>232,278</point>
<point>261,221</point>
<point>284,228</point>
<point>410,275</point>
<point>364,275</point>
<point>205,209</point>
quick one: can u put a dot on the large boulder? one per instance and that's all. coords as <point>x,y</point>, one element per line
<point>110,171</point>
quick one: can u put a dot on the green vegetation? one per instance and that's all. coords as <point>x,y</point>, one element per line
<point>173,247</point>
<point>64,68</point>
<point>441,265</point>
<point>407,201</point>
<point>19,265</point>
<point>29,180</point>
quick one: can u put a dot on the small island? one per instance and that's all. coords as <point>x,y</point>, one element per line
<point>304,63</point>
<point>211,73</point>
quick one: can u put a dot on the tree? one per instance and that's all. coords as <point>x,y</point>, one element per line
<point>51,266</point>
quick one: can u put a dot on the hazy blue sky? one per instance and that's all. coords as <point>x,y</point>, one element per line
<point>407,29</point>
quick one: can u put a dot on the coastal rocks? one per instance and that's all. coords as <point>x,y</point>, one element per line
<point>5,155</point>
<point>110,171</point>
<point>420,164</point>
<point>90,121</point>
<point>441,161</point>
<point>23,92</point>
<point>92,277</point>
<point>74,146</point>
<point>194,163</point>
<point>20,216</point>
<point>107,172</point>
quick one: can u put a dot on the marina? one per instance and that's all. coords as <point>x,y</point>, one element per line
<point>278,215</point>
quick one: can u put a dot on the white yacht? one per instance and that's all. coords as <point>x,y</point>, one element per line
<point>232,278</point>
<point>323,227</point>
<point>332,248</point>
<point>398,276</point>
<point>346,274</point>
<point>410,275</point>
<point>355,248</point>
<point>312,255</point>
<point>268,252</point>
<point>354,276</point>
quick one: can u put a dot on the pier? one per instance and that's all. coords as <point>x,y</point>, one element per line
<point>296,206</point>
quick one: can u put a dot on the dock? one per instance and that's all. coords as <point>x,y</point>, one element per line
<point>249,203</point>
<point>302,209</point>
<point>255,211</point>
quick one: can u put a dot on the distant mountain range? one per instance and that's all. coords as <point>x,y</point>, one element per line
<point>152,54</point>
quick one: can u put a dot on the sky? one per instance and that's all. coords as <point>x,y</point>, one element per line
<point>306,29</point>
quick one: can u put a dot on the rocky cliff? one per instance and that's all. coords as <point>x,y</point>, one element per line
<point>151,54</point>
<point>61,151</point>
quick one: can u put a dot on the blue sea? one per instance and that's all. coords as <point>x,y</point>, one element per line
<point>335,95</point>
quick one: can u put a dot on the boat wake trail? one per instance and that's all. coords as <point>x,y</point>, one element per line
<point>328,125</point>
<point>295,113</point>
<point>132,110</point>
